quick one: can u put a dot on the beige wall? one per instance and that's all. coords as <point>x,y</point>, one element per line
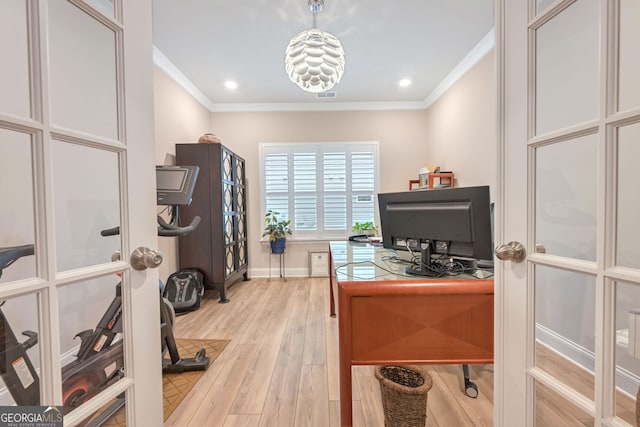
<point>456,133</point>
<point>461,127</point>
<point>401,135</point>
<point>178,118</point>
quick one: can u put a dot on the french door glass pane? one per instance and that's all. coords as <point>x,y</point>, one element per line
<point>567,76</point>
<point>566,197</point>
<point>118,419</point>
<point>628,209</point>
<point>106,7</point>
<point>629,60</point>
<point>17,216</point>
<point>91,341</point>
<point>83,75</point>
<point>627,350</point>
<point>14,73</point>
<point>565,326</point>
<point>20,358</point>
<point>553,410</point>
<point>543,4</point>
<point>87,201</point>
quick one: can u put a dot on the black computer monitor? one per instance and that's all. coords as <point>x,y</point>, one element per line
<point>175,184</point>
<point>449,221</point>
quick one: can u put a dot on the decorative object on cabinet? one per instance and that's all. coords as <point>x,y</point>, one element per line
<point>209,138</point>
<point>423,174</point>
<point>445,180</point>
<point>219,249</point>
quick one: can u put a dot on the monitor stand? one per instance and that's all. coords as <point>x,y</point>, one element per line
<point>425,264</point>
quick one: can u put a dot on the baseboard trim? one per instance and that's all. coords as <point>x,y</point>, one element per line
<point>626,381</point>
<point>275,272</point>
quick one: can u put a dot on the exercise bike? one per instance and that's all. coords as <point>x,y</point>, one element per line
<point>97,365</point>
<point>99,361</point>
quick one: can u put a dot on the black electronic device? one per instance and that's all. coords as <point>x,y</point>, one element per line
<point>175,184</point>
<point>448,221</point>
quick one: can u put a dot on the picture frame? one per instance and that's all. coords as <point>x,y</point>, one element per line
<point>318,263</point>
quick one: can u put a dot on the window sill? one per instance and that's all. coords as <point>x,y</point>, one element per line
<point>309,240</point>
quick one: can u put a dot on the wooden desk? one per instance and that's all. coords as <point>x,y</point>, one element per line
<point>386,317</point>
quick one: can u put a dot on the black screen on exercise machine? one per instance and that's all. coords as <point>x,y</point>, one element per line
<point>175,184</point>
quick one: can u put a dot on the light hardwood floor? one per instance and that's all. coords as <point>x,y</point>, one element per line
<point>281,366</point>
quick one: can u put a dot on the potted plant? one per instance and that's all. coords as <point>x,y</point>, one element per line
<point>276,230</point>
<point>367,227</point>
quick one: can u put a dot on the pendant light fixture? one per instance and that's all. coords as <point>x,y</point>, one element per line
<point>314,59</point>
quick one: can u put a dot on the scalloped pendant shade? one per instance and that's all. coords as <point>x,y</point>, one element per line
<point>314,59</point>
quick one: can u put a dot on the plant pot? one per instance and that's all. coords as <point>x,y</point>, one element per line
<point>278,245</point>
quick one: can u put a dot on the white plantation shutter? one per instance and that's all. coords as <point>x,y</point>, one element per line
<point>305,203</point>
<point>322,188</point>
<point>335,188</point>
<point>363,186</point>
<point>277,183</point>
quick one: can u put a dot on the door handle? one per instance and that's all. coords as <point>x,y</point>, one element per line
<point>514,251</point>
<point>143,258</point>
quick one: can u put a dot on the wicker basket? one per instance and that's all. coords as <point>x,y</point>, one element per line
<point>404,395</point>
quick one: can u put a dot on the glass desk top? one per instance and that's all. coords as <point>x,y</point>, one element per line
<point>355,261</point>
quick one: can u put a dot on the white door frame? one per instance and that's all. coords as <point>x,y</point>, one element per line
<point>516,372</point>
<point>135,148</point>
<point>510,390</point>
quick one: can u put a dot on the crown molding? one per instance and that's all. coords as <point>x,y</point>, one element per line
<point>320,106</point>
<point>183,81</point>
<point>478,52</point>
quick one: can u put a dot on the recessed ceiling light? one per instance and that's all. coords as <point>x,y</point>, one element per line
<point>231,85</point>
<point>404,82</point>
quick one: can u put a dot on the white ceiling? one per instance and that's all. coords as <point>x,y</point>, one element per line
<point>212,41</point>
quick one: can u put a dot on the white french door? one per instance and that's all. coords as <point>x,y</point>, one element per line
<point>76,158</point>
<point>569,143</point>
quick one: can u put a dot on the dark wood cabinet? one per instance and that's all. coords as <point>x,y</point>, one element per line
<point>218,247</point>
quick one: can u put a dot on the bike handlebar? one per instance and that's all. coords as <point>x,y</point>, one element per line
<point>164,229</point>
<point>111,231</point>
<point>168,230</point>
<point>11,254</point>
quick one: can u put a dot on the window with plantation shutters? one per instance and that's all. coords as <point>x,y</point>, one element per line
<point>322,188</point>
